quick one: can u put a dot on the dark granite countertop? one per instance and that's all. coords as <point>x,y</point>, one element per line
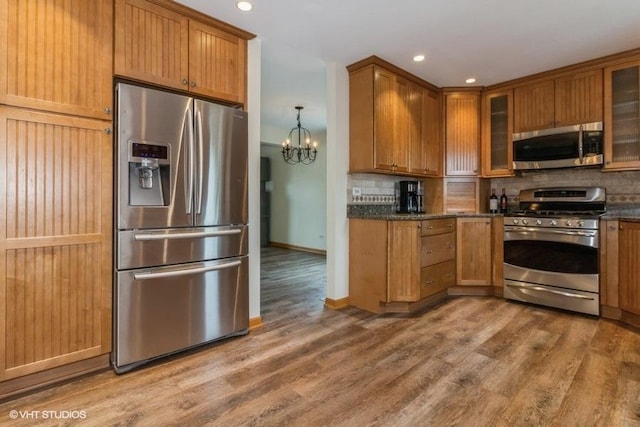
<point>622,213</point>
<point>386,213</point>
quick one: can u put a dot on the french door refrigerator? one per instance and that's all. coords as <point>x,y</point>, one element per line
<point>181,237</point>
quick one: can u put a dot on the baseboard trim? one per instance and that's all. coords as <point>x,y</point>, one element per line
<point>298,248</point>
<point>336,304</point>
<point>483,291</point>
<point>255,322</point>
<point>28,383</point>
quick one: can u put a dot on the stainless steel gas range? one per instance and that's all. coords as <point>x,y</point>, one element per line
<point>551,248</point>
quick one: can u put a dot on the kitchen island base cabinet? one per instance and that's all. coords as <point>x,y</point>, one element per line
<point>400,266</point>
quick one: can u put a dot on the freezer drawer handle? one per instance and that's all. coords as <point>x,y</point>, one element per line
<point>149,236</point>
<point>551,291</point>
<point>176,273</point>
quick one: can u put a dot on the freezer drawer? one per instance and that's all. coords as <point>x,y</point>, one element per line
<point>167,309</point>
<point>149,248</point>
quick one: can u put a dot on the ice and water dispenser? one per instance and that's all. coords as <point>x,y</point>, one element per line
<point>149,172</point>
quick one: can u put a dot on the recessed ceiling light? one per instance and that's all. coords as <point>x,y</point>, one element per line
<point>244,6</point>
<point>418,58</point>
<point>470,80</point>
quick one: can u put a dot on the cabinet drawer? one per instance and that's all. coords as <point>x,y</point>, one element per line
<point>436,278</point>
<point>432,227</point>
<point>436,249</point>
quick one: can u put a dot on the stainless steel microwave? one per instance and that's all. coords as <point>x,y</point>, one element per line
<point>563,147</point>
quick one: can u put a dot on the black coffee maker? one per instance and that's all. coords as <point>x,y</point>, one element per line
<point>410,197</point>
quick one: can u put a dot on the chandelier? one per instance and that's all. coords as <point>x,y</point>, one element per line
<point>299,154</point>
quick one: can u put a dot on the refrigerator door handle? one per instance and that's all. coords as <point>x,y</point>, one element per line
<point>200,161</point>
<point>190,271</point>
<point>159,236</point>
<point>189,160</point>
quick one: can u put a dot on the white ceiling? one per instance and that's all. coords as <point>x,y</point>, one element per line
<point>491,40</point>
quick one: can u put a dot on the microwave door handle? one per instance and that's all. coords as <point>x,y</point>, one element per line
<point>189,160</point>
<point>580,145</point>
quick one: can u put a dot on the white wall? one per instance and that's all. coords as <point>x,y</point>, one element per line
<point>298,197</point>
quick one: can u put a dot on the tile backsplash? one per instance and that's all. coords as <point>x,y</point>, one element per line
<point>623,187</point>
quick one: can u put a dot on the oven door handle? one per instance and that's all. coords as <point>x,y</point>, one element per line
<point>187,272</point>
<point>523,230</point>
<point>551,291</point>
<point>580,145</point>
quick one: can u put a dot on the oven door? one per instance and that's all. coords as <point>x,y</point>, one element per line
<point>561,257</point>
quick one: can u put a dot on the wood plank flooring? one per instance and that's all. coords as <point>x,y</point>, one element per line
<point>470,361</point>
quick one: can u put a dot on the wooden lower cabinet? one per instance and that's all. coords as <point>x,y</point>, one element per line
<point>473,247</point>
<point>629,267</point>
<point>55,243</point>
<point>396,266</point>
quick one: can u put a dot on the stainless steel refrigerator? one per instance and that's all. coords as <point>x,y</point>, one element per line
<point>181,238</point>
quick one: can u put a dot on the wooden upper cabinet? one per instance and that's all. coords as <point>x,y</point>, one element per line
<point>384,114</point>
<point>533,106</point>
<point>563,101</point>
<point>56,55</point>
<point>379,130</point>
<point>622,116</point>
<point>158,45</point>
<point>426,154</point>
<point>151,44</point>
<point>462,133</point>
<point>497,132</point>
<point>217,64</point>
<point>578,98</point>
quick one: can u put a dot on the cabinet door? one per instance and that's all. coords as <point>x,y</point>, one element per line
<point>56,55</point>
<point>534,106</point>
<point>384,114</point>
<point>413,119</point>
<point>578,98</point>
<point>55,243</point>
<point>629,289</point>
<point>622,116</point>
<point>151,44</point>
<point>404,261</point>
<point>216,63</point>
<point>497,130</point>
<point>462,133</point>
<point>609,256</point>
<point>473,247</point>
<point>431,134</point>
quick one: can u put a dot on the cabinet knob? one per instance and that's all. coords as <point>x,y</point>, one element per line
<point>430,251</point>
<point>611,227</point>
<point>185,81</point>
<point>621,227</point>
<point>193,84</point>
<point>107,131</point>
<point>107,110</point>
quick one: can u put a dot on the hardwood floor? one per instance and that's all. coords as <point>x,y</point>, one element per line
<point>469,361</point>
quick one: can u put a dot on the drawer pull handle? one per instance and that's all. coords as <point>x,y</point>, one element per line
<point>430,251</point>
<point>428,282</point>
<point>448,275</point>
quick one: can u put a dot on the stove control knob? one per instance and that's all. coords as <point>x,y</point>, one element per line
<point>515,221</point>
<point>538,222</point>
<point>525,221</point>
<point>580,223</point>
<point>554,222</point>
<point>569,223</point>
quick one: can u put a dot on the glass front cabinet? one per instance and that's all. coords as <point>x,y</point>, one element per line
<point>622,116</point>
<point>497,130</point>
